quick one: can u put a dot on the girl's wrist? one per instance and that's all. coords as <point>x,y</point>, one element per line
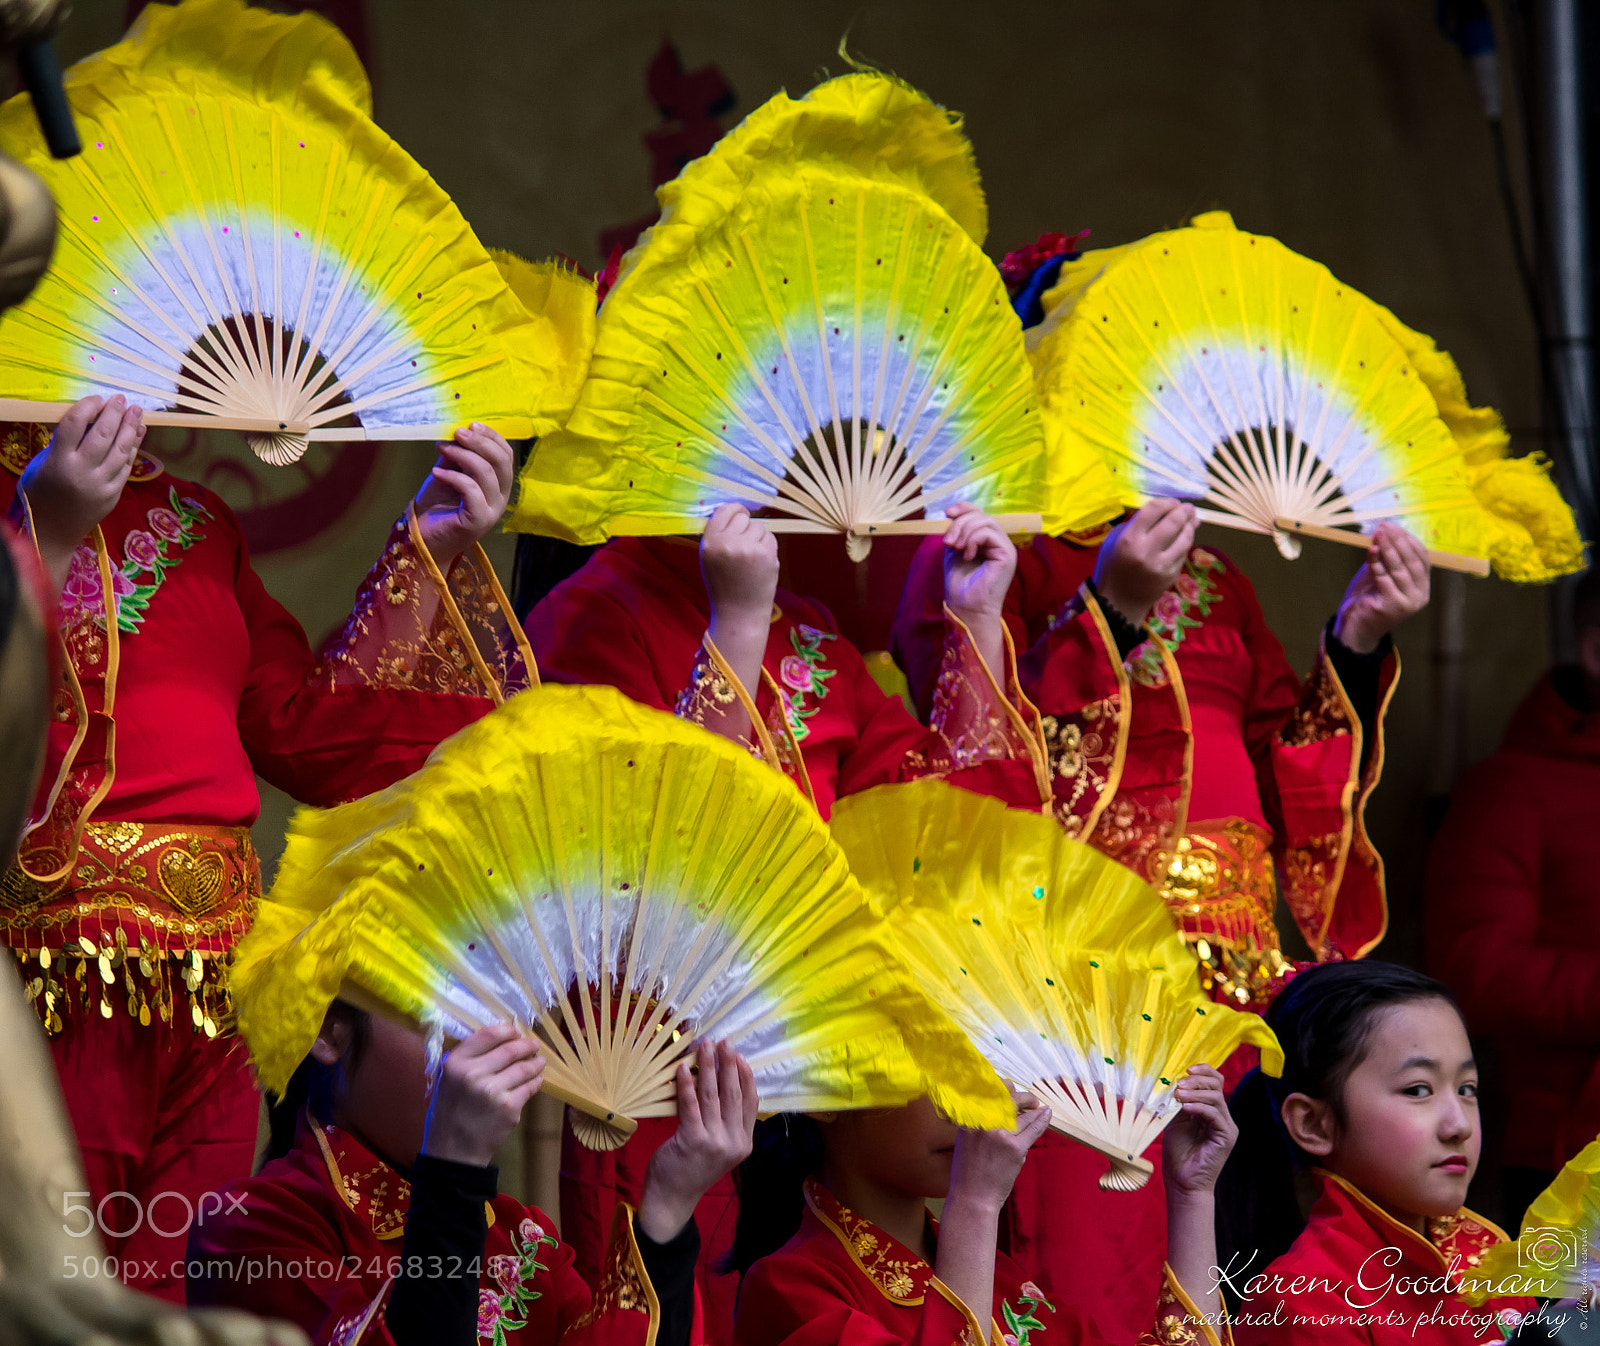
<point>974,1205</point>
<point>1190,1200</point>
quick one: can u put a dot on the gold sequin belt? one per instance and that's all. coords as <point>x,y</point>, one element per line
<point>148,917</point>
<point>1221,888</point>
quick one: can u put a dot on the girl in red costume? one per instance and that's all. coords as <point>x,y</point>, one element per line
<point>711,635</point>
<point>1183,745</point>
<point>1379,1101</point>
<point>836,1243</point>
<point>382,1225</point>
<point>182,679</point>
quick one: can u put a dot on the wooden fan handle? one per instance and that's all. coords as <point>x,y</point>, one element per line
<point>1128,1173</point>
<point>48,413</point>
<point>363,999</point>
<point>1443,560</point>
<point>1012,523</point>
<point>624,1125</point>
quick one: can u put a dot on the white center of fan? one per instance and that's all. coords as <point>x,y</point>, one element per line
<point>916,452</point>
<point>1261,436</point>
<point>173,330</point>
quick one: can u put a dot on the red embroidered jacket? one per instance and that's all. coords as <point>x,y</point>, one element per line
<point>315,1238</point>
<point>842,1281</point>
<point>634,618</point>
<point>1367,1278</point>
<point>184,678</point>
<point>1198,761</point>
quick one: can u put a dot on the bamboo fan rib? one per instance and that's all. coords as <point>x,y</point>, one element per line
<point>239,243</point>
<point>1219,366</point>
<point>826,346</point>
<point>621,884</point>
<point>1061,966</point>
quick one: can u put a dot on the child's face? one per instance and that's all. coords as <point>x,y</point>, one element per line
<point>385,1100</point>
<point>905,1150</point>
<point>1410,1137</point>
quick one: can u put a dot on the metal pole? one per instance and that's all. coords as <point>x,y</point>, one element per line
<point>1568,218</point>
<point>1565,261</point>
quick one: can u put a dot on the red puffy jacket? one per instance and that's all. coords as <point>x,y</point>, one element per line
<point>1513,917</point>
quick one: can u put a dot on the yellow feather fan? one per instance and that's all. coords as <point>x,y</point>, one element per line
<point>1061,965</point>
<point>1554,1258</point>
<point>812,331</point>
<point>622,885</point>
<point>1219,366</point>
<point>240,246</point>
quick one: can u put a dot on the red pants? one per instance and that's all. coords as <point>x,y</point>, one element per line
<point>592,1182</point>
<point>165,1119</point>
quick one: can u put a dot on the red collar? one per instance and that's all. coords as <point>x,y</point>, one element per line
<point>901,1275</point>
<point>1464,1235</point>
<point>369,1186</point>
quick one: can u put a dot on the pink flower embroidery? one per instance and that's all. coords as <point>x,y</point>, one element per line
<point>142,549</point>
<point>80,595</point>
<point>1187,587</point>
<point>166,523</point>
<point>488,1312</point>
<point>795,672</point>
<point>530,1231</point>
<point>82,598</point>
<point>1169,607</point>
<point>505,1270</point>
<point>1031,1291</point>
<point>1009,1339</point>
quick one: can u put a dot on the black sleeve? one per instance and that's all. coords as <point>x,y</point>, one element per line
<point>1128,636</point>
<point>1361,675</point>
<point>445,1231</point>
<point>670,1267</point>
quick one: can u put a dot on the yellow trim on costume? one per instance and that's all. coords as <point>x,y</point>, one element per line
<point>795,755</point>
<point>1347,793</point>
<point>1197,1318</point>
<point>1032,734</point>
<point>339,1182</point>
<point>626,1213</point>
<point>1371,1207</point>
<point>758,726</point>
<point>973,1325</point>
<point>1119,754</point>
<point>832,1226</point>
<point>1359,810</point>
<point>447,600</point>
<point>80,705</point>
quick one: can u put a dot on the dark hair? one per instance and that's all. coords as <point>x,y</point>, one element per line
<point>1324,1019</point>
<point>316,1086</point>
<point>770,1184</point>
<point>541,564</point>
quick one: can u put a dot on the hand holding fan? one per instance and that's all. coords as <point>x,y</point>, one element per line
<point>1061,966</point>
<point>621,884</point>
<point>1220,367</point>
<point>812,331</point>
<point>241,247</point>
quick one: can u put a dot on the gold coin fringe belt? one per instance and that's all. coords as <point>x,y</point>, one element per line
<point>146,922</point>
<point>1221,889</point>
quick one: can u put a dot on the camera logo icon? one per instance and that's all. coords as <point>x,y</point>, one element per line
<point>1549,1249</point>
